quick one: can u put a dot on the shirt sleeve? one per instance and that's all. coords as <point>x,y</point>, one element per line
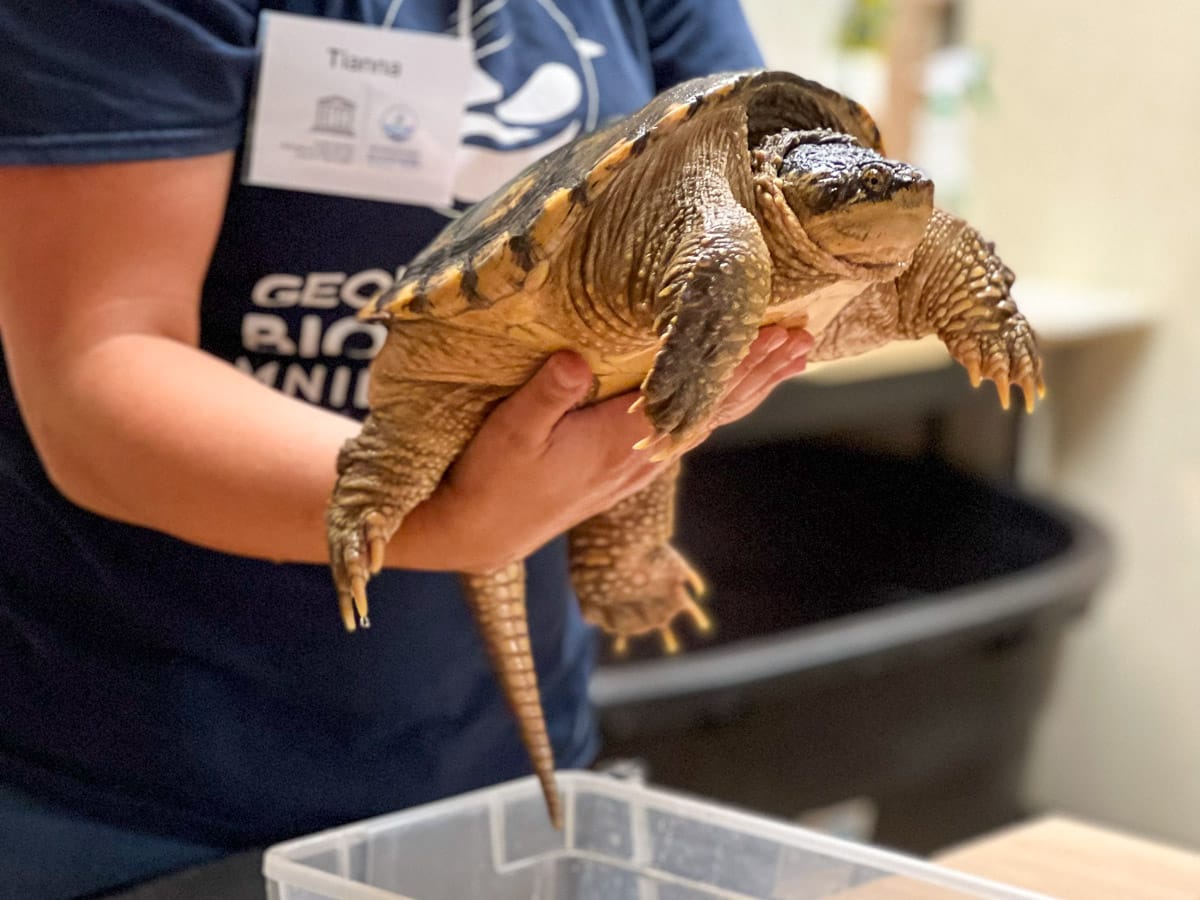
<point>112,80</point>
<point>689,38</point>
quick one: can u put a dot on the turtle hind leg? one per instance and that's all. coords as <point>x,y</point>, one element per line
<point>394,463</point>
<point>629,579</point>
<point>497,600</point>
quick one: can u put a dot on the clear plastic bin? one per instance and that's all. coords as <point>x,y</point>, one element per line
<point>621,840</point>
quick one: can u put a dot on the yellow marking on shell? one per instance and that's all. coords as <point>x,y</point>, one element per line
<point>492,250</point>
<point>672,119</point>
<point>443,287</point>
<point>620,153</point>
<point>395,306</point>
<point>498,273</point>
<point>555,214</point>
<point>503,204</point>
<point>448,298</point>
<point>615,158</point>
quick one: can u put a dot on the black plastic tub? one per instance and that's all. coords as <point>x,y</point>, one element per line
<point>887,631</point>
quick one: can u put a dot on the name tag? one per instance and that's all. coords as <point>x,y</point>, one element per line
<point>356,110</point>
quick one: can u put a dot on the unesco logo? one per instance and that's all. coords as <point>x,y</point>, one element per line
<point>335,115</point>
<point>398,123</point>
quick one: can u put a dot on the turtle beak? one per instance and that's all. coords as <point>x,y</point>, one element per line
<point>910,203</point>
<point>881,231</point>
<point>910,188</point>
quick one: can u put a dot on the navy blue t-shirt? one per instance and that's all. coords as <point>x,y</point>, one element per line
<point>164,686</point>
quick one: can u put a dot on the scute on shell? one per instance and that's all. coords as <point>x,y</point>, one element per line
<point>490,251</point>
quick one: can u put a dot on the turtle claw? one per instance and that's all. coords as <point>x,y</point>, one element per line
<point>358,591</point>
<point>970,361</point>
<point>663,447</point>
<point>1004,390</point>
<point>1005,355</point>
<point>346,608</point>
<point>358,551</point>
<point>1032,389</point>
<point>352,590</point>
<point>669,641</point>
<point>702,620</point>
<point>650,442</point>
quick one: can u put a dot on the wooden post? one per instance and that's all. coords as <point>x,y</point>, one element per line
<point>913,35</point>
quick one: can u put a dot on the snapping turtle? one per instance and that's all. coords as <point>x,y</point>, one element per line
<point>656,248</point>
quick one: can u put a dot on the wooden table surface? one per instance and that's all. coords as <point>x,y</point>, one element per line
<point>1074,860</point>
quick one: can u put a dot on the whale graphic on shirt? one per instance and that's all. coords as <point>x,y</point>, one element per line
<point>507,128</point>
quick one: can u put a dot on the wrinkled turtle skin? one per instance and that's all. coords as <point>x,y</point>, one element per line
<point>656,248</point>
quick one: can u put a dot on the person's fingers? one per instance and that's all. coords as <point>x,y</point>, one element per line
<point>800,341</point>
<point>774,350</point>
<point>610,428</point>
<point>764,375</point>
<point>786,361</point>
<point>529,415</point>
<point>768,341</point>
<point>636,426</point>
<point>752,395</point>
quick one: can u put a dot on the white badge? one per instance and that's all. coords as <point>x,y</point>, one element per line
<point>357,110</point>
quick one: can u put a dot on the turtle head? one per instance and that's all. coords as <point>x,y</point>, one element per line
<point>852,202</point>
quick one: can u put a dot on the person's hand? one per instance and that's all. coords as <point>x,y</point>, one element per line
<point>539,465</point>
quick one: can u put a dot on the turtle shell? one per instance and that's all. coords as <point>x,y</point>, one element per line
<point>504,242</point>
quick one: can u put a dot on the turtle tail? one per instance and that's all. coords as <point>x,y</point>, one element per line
<point>498,601</point>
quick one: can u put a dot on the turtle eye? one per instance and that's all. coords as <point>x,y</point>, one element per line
<point>875,179</point>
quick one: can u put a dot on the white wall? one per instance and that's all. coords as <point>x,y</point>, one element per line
<point>1088,171</point>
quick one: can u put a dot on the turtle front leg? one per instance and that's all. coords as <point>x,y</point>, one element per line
<point>711,304</point>
<point>958,288</point>
<point>629,579</point>
<point>394,463</point>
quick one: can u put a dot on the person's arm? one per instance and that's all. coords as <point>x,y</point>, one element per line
<point>100,275</point>
<point>101,270</point>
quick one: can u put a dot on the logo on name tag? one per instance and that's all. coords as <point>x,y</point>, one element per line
<point>399,122</point>
<point>335,115</point>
